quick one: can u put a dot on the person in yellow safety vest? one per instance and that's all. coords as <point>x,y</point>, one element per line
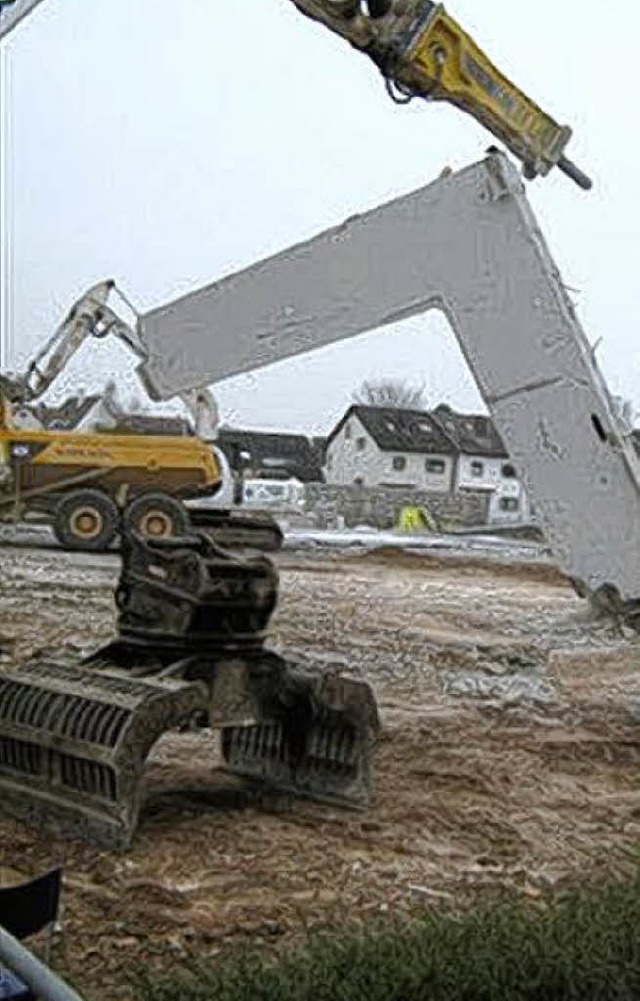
<point>416,519</point>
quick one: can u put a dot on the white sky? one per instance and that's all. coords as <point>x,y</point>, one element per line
<point>178,142</point>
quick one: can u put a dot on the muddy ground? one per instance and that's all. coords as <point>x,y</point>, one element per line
<point>510,756</point>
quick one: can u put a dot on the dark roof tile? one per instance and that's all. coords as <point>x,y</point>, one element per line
<point>395,430</point>
<point>473,434</point>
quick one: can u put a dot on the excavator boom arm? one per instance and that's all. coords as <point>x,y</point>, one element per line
<point>469,245</point>
<point>90,316</point>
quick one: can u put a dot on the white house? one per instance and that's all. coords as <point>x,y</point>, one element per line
<point>483,463</point>
<point>382,446</point>
<point>440,451</point>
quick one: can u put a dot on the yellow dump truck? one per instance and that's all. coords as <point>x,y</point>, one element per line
<point>89,485</point>
<point>92,485</point>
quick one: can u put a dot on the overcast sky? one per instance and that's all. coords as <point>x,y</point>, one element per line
<point>167,144</point>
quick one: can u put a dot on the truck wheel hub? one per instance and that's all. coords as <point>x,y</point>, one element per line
<point>156,524</point>
<point>86,523</point>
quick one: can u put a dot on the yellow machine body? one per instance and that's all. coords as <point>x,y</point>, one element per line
<point>122,465</point>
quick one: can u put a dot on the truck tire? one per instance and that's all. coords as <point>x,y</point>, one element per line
<point>86,519</point>
<point>156,516</point>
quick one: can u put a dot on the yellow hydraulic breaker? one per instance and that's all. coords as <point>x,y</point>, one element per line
<point>422,52</point>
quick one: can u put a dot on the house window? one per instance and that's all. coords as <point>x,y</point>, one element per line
<point>509,504</point>
<point>508,471</point>
<point>434,465</point>
<point>347,430</point>
<point>399,463</point>
<point>477,468</point>
<point>361,444</point>
<point>329,463</point>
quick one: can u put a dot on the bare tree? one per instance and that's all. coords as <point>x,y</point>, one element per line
<point>390,393</point>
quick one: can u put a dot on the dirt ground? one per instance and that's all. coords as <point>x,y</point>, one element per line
<point>510,755</point>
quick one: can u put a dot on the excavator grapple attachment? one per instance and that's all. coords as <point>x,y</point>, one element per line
<point>73,744</point>
<point>328,758</point>
<point>74,737</point>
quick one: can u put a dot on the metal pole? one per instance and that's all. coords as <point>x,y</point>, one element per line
<point>4,230</point>
<point>3,237</point>
<point>39,978</point>
<point>12,12</point>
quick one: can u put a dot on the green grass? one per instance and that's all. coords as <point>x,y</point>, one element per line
<point>580,946</point>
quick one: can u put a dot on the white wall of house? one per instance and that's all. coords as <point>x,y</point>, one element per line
<point>508,502</point>
<point>354,457</point>
<point>479,472</point>
<point>509,509</point>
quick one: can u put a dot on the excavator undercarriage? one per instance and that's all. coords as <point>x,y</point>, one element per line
<point>190,653</point>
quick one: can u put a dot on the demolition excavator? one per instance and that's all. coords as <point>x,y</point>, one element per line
<point>192,644</point>
<point>191,648</point>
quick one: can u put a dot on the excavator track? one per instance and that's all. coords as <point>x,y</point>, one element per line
<point>75,736</point>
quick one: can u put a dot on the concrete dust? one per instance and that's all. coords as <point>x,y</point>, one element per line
<point>510,756</point>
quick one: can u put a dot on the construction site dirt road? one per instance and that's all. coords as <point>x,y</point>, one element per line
<point>510,757</point>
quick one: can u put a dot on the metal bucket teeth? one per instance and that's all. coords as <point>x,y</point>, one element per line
<point>74,741</point>
<point>334,763</point>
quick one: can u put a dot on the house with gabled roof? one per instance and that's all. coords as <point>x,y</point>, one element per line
<point>439,451</point>
<point>483,463</point>
<point>384,446</point>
